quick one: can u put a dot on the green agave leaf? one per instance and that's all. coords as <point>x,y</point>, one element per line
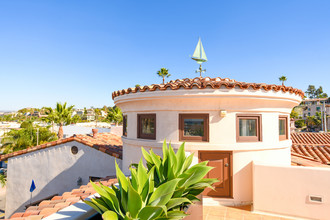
<point>150,212</point>
<point>165,150</point>
<point>193,175</point>
<point>173,160</point>
<point>178,192</point>
<point>145,191</point>
<point>176,214</point>
<point>134,202</point>
<point>163,193</point>
<point>94,206</point>
<point>100,204</point>
<point>110,215</point>
<point>142,176</point>
<point>200,186</point>
<point>128,217</point>
<point>180,157</point>
<point>123,182</point>
<point>124,199</point>
<point>187,162</point>
<point>114,199</point>
<point>146,156</point>
<point>176,202</point>
<point>193,198</point>
<point>104,195</point>
<point>134,179</point>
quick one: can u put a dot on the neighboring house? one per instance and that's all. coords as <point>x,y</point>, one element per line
<point>309,107</point>
<point>59,166</point>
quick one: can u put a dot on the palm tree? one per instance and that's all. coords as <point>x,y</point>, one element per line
<point>62,116</point>
<point>282,79</point>
<point>97,114</point>
<point>115,115</point>
<point>163,72</point>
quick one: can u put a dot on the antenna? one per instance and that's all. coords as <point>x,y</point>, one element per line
<point>199,56</point>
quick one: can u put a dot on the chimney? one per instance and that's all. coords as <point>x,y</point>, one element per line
<point>95,132</point>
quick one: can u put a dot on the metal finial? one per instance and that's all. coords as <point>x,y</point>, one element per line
<point>199,56</point>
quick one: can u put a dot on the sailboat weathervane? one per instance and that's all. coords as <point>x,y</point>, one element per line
<point>200,57</point>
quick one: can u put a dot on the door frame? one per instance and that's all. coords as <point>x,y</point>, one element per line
<point>231,196</point>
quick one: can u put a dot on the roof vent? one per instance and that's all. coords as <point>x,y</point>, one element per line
<point>95,132</point>
<point>316,199</point>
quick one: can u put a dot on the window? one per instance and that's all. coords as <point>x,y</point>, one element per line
<point>147,126</point>
<point>309,114</point>
<point>318,109</point>
<point>309,109</point>
<point>248,128</point>
<point>125,125</point>
<point>194,127</point>
<point>283,127</point>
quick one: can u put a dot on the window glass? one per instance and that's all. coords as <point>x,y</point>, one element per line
<point>282,126</point>
<point>247,127</point>
<point>193,127</point>
<point>148,125</point>
<point>125,125</point>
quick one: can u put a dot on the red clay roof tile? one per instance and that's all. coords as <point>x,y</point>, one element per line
<point>108,143</point>
<point>49,207</point>
<point>207,82</point>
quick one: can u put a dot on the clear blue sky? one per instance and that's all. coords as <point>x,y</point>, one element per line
<point>82,51</point>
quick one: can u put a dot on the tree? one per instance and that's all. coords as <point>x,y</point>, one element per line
<point>314,121</point>
<point>138,85</point>
<point>311,91</point>
<point>282,79</point>
<point>115,115</point>
<point>163,72</point>
<point>23,138</point>
<point>294,114</point>
<point>62,116</point>
<point>51,117</point>
<point>320,94</point>
<point>97,114</point>
<point>300,123</point>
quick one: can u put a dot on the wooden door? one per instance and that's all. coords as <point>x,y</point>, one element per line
<point>222,163</point>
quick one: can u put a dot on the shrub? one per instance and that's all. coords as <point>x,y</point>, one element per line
<point>160,191</point>
<point>300,123</point>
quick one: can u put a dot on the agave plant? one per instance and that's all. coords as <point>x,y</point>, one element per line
<point>173,166</point>
<point>160,191</point>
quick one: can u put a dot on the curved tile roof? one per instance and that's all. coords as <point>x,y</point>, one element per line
<point>49,207</point>
<point>106,142</point>
<point>202,83</point>
<point>310,138</point>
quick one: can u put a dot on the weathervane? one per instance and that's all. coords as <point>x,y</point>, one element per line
<point>199,56</point>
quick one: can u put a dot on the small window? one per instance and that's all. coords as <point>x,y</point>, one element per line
<point>318,109</point>
<point>194,127</point>
<point>74,150</point>
<point>125,125</point>
<point>147,126</point>
<point>248,128</point>
<point>309,114</point>
<point>283,127</point>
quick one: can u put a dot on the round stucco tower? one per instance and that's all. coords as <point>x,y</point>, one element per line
<point>229,123</point>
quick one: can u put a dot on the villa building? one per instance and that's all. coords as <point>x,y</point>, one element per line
<point>229,123</point>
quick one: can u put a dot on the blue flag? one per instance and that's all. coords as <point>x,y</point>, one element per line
<point>33,186</point>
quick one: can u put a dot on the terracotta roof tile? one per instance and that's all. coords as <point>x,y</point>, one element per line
<point>108,143</point>
<point>311,138</point>
<point>207,82</point>
<point>49,207</point>
<point>314,146</point>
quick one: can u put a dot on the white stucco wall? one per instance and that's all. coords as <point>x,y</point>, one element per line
<point>55,170</point>
<point>167,105</point>
<point>286,190</point>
